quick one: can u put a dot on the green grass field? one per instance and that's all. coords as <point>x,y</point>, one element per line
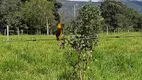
<point>113,58</point>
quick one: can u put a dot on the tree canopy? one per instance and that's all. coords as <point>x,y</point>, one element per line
<point>29,14</point>
<point>35,14</point>
<point>118,16</point>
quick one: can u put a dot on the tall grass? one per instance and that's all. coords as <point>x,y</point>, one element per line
<point>113,58</point>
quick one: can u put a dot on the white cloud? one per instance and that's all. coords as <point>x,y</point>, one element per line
<point>137,0</point>
<point>87,0</point>
<point>102,0</point>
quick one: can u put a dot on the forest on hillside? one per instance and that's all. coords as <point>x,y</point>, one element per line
<point>36,15</point>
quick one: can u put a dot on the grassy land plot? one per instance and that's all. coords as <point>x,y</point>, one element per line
<point>114,59</point>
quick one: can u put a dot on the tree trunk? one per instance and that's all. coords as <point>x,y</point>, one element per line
<point>51,32</point>
<point>47,28</point>
<point>22,31</point>
<point>18,31</point>
<point>107,30</point>
<point>7,33</point>
<point>37,31</point>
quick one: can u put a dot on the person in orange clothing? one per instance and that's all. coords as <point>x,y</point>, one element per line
<point>59,34</point>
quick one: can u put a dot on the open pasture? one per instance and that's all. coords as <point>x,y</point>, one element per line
<point>113,58</point>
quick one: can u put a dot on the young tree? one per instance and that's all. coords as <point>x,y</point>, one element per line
<point>86,30</point>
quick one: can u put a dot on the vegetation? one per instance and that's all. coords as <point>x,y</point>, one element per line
<point>88,23</point>
<point>29,14</point>
<point>113,59</point>
<point>118,16</point>
<point>35,16</point>
<point>21,58</point>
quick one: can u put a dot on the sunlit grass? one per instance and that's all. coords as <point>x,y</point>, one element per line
<point>114,58</point>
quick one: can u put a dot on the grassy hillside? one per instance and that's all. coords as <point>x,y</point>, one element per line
<point>114,58</point>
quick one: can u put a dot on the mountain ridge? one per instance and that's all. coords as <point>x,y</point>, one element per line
<point>67,10</point>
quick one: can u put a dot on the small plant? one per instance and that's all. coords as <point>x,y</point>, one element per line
<point>85,37</point>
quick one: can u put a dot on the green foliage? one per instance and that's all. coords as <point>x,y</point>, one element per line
<point>86,30</point>
<point>36,13</point>
<point>123,22</point>
<point>29,14</point>
<point>89,21</point>
<point>133,17</point>
<point>70,73</point>
<point>110,10</point>
<point>10,14</point>
<point>118,16</point>
<point>57,6</point>
<point>139,26</point>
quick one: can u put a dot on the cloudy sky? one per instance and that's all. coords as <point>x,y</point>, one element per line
<point>87,0</point>
<point>100,0</point>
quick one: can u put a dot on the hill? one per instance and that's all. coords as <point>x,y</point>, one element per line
<point>67,11</point>
<point>136,5</point>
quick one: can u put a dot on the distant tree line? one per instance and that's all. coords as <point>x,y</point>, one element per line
<point>30,15</point>
<point>118,16</point>
<point>34,15</point>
